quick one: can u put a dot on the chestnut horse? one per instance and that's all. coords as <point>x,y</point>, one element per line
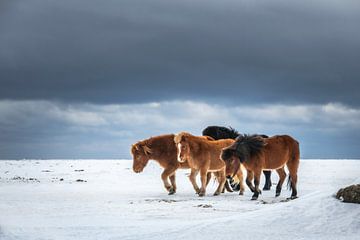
<point>257,153</point>
<point>202,155</point>
<point>219,132</point>
<point>163,150</point>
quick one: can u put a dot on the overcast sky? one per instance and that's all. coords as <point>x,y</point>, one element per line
<point>86,78</point>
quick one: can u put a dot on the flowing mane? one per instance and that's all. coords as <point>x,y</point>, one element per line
<point>144,145</point>
<point>248,146</point>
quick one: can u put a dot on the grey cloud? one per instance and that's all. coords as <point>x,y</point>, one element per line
<point>139,51</point>
<point>44,129</point>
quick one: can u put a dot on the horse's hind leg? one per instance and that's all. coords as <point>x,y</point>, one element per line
<point>164,176</point>
<point>192,178</point>
<point>240,176</point>
<point>282,176</point>
<point>249,178</point>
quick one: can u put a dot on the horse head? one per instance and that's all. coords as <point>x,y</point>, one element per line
<point>141,154</point>
<point>183,146</point>
<point>243,150</point>
<point>232,161</point>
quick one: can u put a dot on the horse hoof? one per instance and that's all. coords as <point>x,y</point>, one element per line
<point>277,194</point>
<point>266,188</point>
<point>241,193</point>
<point>171,190</point>
<point>216,194</point>
<point>254,198</point>
<point>292,198</point>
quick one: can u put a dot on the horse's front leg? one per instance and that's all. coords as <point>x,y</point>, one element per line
<point>249,178</point>
<point>241,181</point>
<point>192,178</point>
<point>257,191</point>
<point>221,179</point>
<point>164,176</point>
<point>203,178</point>
<point>173,182</point>
<point>282,175</point>
<point>268,183</point>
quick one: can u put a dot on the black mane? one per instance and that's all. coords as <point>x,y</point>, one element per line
<point>218,132</point>
<point>248,146</point>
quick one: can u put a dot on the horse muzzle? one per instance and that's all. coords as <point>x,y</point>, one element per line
<point>137,170</point>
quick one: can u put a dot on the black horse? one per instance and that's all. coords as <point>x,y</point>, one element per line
<point>218,132</point>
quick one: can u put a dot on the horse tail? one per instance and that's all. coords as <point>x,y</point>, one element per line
<point>296,151</point>
<point>293,163</point>
<point>294,154</point>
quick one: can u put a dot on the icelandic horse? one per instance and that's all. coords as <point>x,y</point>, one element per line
<point>202,155</point>
<point>256,154</point>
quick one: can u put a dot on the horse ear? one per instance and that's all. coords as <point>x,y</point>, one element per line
<point>209,138</point>
<point>135,146</point>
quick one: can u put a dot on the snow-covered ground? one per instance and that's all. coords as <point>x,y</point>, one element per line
<point>44,200</point>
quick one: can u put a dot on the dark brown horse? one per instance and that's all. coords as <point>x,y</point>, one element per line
<point>203,156</point>
<point>257,153</point>
<point>163,150</point>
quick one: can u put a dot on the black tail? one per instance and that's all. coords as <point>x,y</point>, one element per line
<point>289,185</point>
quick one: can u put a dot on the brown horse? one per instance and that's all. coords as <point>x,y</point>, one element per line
<point>202,155</point>
<point>257,153</point>
<point>163,150</point>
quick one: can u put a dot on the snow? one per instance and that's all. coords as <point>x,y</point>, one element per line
<point>115,203</point>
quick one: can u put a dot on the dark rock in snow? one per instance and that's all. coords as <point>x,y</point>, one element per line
<point>350,194</point>
<point>205,205</point>
<point>80,180</point>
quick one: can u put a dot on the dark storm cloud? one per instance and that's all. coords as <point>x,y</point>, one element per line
<point>138,51</point>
